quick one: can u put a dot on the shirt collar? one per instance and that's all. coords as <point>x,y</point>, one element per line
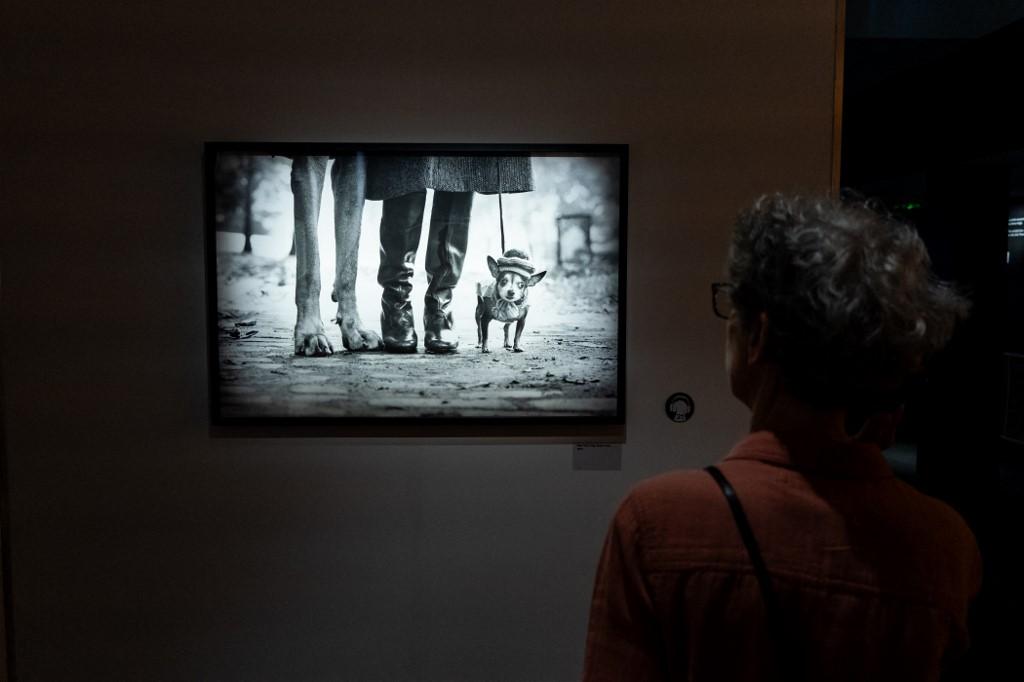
<point>850,459</point>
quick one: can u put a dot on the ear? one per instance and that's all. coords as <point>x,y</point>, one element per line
<point>492,265</point>
<point>536,278</point>
<point>757,336</point>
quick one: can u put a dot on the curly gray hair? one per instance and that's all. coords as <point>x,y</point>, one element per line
<point>852,304</point>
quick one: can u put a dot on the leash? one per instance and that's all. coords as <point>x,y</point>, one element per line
<point>501,213</point>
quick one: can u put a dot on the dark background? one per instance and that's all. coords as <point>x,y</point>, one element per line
<point>932,127</point>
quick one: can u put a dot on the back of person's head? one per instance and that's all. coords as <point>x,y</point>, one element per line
<point>852,305</point>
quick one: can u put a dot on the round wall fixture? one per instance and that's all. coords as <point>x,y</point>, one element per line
<point>679,407</point>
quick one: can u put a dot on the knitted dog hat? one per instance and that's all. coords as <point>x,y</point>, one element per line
<point>517,261</point>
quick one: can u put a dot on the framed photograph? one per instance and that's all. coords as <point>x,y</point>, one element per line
<point>414,284</point>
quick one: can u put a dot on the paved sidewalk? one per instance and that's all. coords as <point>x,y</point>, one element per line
<point>568,367</point>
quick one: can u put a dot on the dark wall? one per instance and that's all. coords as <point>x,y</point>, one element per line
<point>142,548</point>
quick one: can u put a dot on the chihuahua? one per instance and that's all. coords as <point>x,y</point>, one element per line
<point>504,299</point>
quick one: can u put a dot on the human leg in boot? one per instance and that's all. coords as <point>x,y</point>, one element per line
<point>446,252</point>
<point>400,227</point>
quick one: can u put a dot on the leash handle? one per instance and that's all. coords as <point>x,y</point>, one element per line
<point>785,650</point>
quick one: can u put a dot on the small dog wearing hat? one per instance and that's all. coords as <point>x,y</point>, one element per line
<point>504,299</point>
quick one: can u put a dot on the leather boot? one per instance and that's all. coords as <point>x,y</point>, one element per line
<point>446,252</point>
<point>438,330</point>
<point>400,227</point>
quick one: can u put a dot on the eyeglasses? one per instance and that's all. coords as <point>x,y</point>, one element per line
<point>721,299</point>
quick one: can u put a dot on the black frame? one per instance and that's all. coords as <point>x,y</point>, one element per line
<point>574,428</point>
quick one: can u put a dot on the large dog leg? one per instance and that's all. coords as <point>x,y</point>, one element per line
<point>348,178</point>
<point>307,185</point>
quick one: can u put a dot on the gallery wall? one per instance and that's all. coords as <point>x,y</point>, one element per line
<point>144,548</point>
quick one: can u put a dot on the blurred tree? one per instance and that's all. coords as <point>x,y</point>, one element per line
<point>249,190</point>
<point>588,195</point>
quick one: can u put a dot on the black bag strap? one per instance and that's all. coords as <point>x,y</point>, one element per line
<point>785,651</point>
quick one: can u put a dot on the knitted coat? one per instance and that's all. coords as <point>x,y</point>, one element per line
<point>389,176</point>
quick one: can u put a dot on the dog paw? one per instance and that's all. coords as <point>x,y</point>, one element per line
<point>363,340</point>
<point>311,340</point>
<point>313,345</point>
<point>357,339</point>
<point>517,349</point>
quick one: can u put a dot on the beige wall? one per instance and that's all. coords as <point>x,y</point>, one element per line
<point>144,549</point>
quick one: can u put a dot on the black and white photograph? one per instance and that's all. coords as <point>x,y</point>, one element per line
<point>388,282</point>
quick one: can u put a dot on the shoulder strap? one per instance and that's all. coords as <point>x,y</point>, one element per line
<point>763,579</point>
<point>785,651</point>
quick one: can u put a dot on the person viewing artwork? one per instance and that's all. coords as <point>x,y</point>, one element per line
<point>831,308</point>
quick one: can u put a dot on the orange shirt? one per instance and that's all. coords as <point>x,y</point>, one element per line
<point>874,578</point>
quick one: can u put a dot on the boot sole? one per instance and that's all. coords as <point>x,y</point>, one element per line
<point>399,349</point>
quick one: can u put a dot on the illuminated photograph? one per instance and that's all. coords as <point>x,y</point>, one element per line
<point>375,283</point>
